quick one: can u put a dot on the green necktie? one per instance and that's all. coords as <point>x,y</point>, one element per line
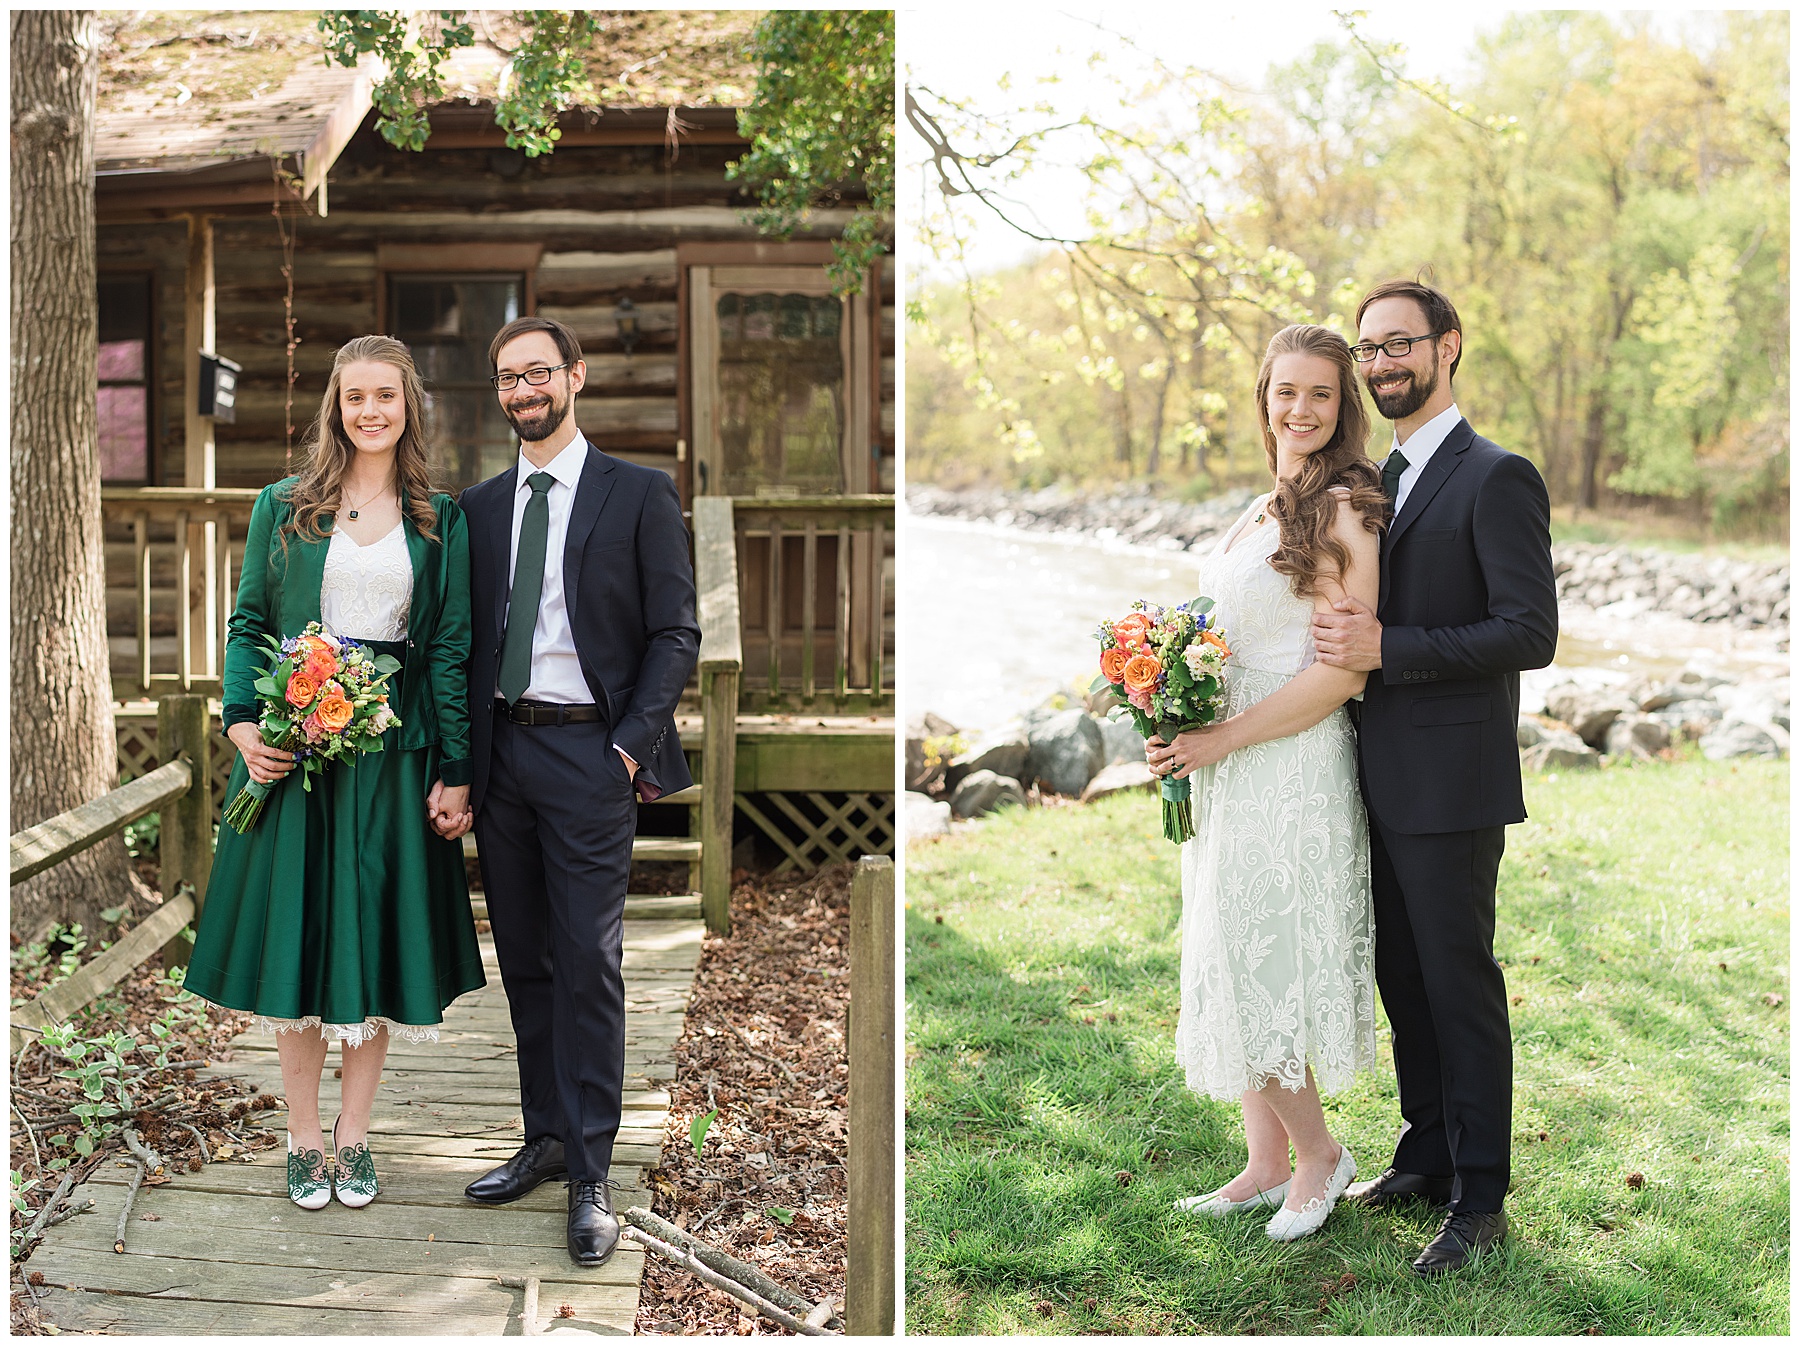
<point>1390,477</point>
<point>527,589</point>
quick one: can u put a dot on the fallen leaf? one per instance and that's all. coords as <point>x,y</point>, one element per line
<point>565,1311</point>
<point>1045,1308</point>
<point>1122,1178</point>
<point>1635,1181</point>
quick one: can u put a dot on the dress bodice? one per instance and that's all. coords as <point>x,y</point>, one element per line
<point>1267,627</point>
<point>367,591</point>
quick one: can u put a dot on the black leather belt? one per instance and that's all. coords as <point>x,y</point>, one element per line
<point>543,712</point>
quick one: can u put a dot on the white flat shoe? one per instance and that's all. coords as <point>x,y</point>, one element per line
<point>1217,1203</point>
<point>1288,1225</point>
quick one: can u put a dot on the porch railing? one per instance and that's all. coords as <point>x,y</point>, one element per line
<point>179,545</point>
<point>816,587</point>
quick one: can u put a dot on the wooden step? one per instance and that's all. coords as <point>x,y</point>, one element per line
<point>643,848</point>
<point>638,906</point>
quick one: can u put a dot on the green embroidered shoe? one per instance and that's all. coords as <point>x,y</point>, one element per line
<point>309,1181</point>
<point>354,1173</point>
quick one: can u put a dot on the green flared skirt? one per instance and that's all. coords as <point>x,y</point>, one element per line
<point>342,906</point>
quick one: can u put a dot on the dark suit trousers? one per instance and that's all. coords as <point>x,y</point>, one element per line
<point>1445,998</point>
<point>554,833</point>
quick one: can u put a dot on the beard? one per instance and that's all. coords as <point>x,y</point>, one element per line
<point>540,421</point>
<point>1401,402</point>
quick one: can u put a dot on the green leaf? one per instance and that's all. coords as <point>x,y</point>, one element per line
<point>386,663</point>
<point>1200,605</point>
<point>698,1128</point>
<point>112,915</point>
<point>1100,683</point>
<point>267,687</point>
<point>780,1214</point>
<point>84,1146</point>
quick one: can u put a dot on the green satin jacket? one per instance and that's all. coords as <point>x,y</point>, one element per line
<point>278,594</point>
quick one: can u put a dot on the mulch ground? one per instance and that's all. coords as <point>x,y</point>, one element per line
<point>765,1046</point>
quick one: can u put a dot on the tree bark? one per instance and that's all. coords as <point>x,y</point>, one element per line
<point>63,748</point>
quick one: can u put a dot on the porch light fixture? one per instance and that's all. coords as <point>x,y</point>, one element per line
<point>217,393</point>
<point>625,316</point>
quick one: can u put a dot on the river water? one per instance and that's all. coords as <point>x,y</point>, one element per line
<point>994,620</point>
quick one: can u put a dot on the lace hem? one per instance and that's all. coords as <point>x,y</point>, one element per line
<point>351,1035</point>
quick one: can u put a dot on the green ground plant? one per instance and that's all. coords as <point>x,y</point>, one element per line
<point>1643,927</point>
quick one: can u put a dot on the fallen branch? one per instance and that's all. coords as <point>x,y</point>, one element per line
<point>722,1262</point>
<point>42,1220</point>
<point>688,1262</point>
<point>147,1160</point>
<point>70,1213</point>
<point>528,1313</point>
<point>200,1140</point>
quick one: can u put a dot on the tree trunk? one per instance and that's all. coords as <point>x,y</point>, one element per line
<point>63,748</point>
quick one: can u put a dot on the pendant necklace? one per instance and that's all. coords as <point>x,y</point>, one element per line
<point>356,510</point>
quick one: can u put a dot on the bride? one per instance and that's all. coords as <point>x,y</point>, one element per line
<point>1277,944</point>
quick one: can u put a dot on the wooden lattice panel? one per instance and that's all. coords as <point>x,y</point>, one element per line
<point>137,752</point>
<point>814,829</point>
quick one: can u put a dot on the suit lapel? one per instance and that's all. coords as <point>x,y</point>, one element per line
<point>499,540</point>
<point>1445,461</point>
<point>590,495</point>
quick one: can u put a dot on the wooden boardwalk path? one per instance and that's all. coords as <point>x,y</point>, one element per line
<point>228,1253</point>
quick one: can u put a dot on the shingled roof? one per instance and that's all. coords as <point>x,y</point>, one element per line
<point>182,92</point>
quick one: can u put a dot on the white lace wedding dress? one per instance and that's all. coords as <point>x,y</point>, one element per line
<point>1277,926</point>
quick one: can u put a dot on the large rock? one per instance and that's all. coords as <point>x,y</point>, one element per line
<point>1690,719</point>
<point>1764,703</point>
<point>923,773</point>
<point>1067,751</point>
<point>1589,711</point>
<point>1564,751</point>
<point>1738,738</point>
<point>1533,731</point>
<point>982,792</point>
<point>1688,685</point>
<point>1002,751</point>
<point>925,816</point>
<point>1122,741</point>
<point>1119,777</point>
<point>1636,736</point>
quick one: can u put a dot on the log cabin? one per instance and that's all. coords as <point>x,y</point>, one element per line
<point>250,219</point>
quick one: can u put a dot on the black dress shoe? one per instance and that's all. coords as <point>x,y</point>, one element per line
<point>593,1228</point>
<point>1393,1189</point>
<point>537,1161</point>
<point>1465,1235</point>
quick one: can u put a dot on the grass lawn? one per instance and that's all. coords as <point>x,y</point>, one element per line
<point>1643,926</point>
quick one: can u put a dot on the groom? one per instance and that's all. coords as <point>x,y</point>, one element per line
<point>1468,599</point>
<point>583,601</point>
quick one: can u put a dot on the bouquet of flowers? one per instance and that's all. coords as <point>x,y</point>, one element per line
<point>323,698</point>
<point>1168,667</point>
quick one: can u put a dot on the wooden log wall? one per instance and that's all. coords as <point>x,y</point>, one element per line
<point>606,217</point>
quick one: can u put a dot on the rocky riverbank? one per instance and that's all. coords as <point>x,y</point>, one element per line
<point>1613,579</point>
<point>1064,748</point>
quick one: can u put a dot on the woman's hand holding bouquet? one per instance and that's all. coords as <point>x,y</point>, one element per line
<point>1167,667</point>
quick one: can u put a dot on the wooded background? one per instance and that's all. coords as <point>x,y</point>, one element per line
<point>1604,198</point>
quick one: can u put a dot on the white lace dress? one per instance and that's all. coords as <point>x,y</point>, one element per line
<point>1277,926</point>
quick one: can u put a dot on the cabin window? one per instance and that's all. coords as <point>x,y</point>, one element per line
<point>447,323</point>
<point>124,368</point>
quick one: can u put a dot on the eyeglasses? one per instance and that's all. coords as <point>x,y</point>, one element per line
<point>537,378</point>
<point>1396,348</point>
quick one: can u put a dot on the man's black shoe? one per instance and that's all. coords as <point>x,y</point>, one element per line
<point>537,1162</point>
<point>1394,1189</point>
<point>1465,1235</point>
<point>593,1228</point>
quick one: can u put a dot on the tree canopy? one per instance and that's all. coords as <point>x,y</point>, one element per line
<point>1605,201</point>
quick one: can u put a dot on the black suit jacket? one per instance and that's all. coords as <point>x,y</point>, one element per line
<point>629,586</point>
<point>1468,599</point>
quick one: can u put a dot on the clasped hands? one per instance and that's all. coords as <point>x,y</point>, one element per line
<point>448,808</point>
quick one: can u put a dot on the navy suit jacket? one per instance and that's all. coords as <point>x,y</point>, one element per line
<point>1468,599</point>
<point>629,585</point>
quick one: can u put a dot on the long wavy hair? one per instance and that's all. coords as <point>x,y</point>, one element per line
<point>329,451</point>
<point>1304,504</point>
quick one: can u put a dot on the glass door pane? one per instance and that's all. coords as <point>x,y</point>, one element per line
<point>780,403</point>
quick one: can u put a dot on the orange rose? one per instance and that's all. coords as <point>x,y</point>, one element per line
<point>1134,628</point>
<point>1212,639</point>
<point>301,689</point>
<point>334,711</point>
<point>1141,672</point>
<point>1112,664</point>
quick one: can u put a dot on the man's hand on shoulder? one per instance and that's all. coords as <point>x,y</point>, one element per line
<point>1348,636</point>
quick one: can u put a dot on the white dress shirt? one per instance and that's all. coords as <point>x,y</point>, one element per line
<point>555,668</point>
<point>1418,450</point>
